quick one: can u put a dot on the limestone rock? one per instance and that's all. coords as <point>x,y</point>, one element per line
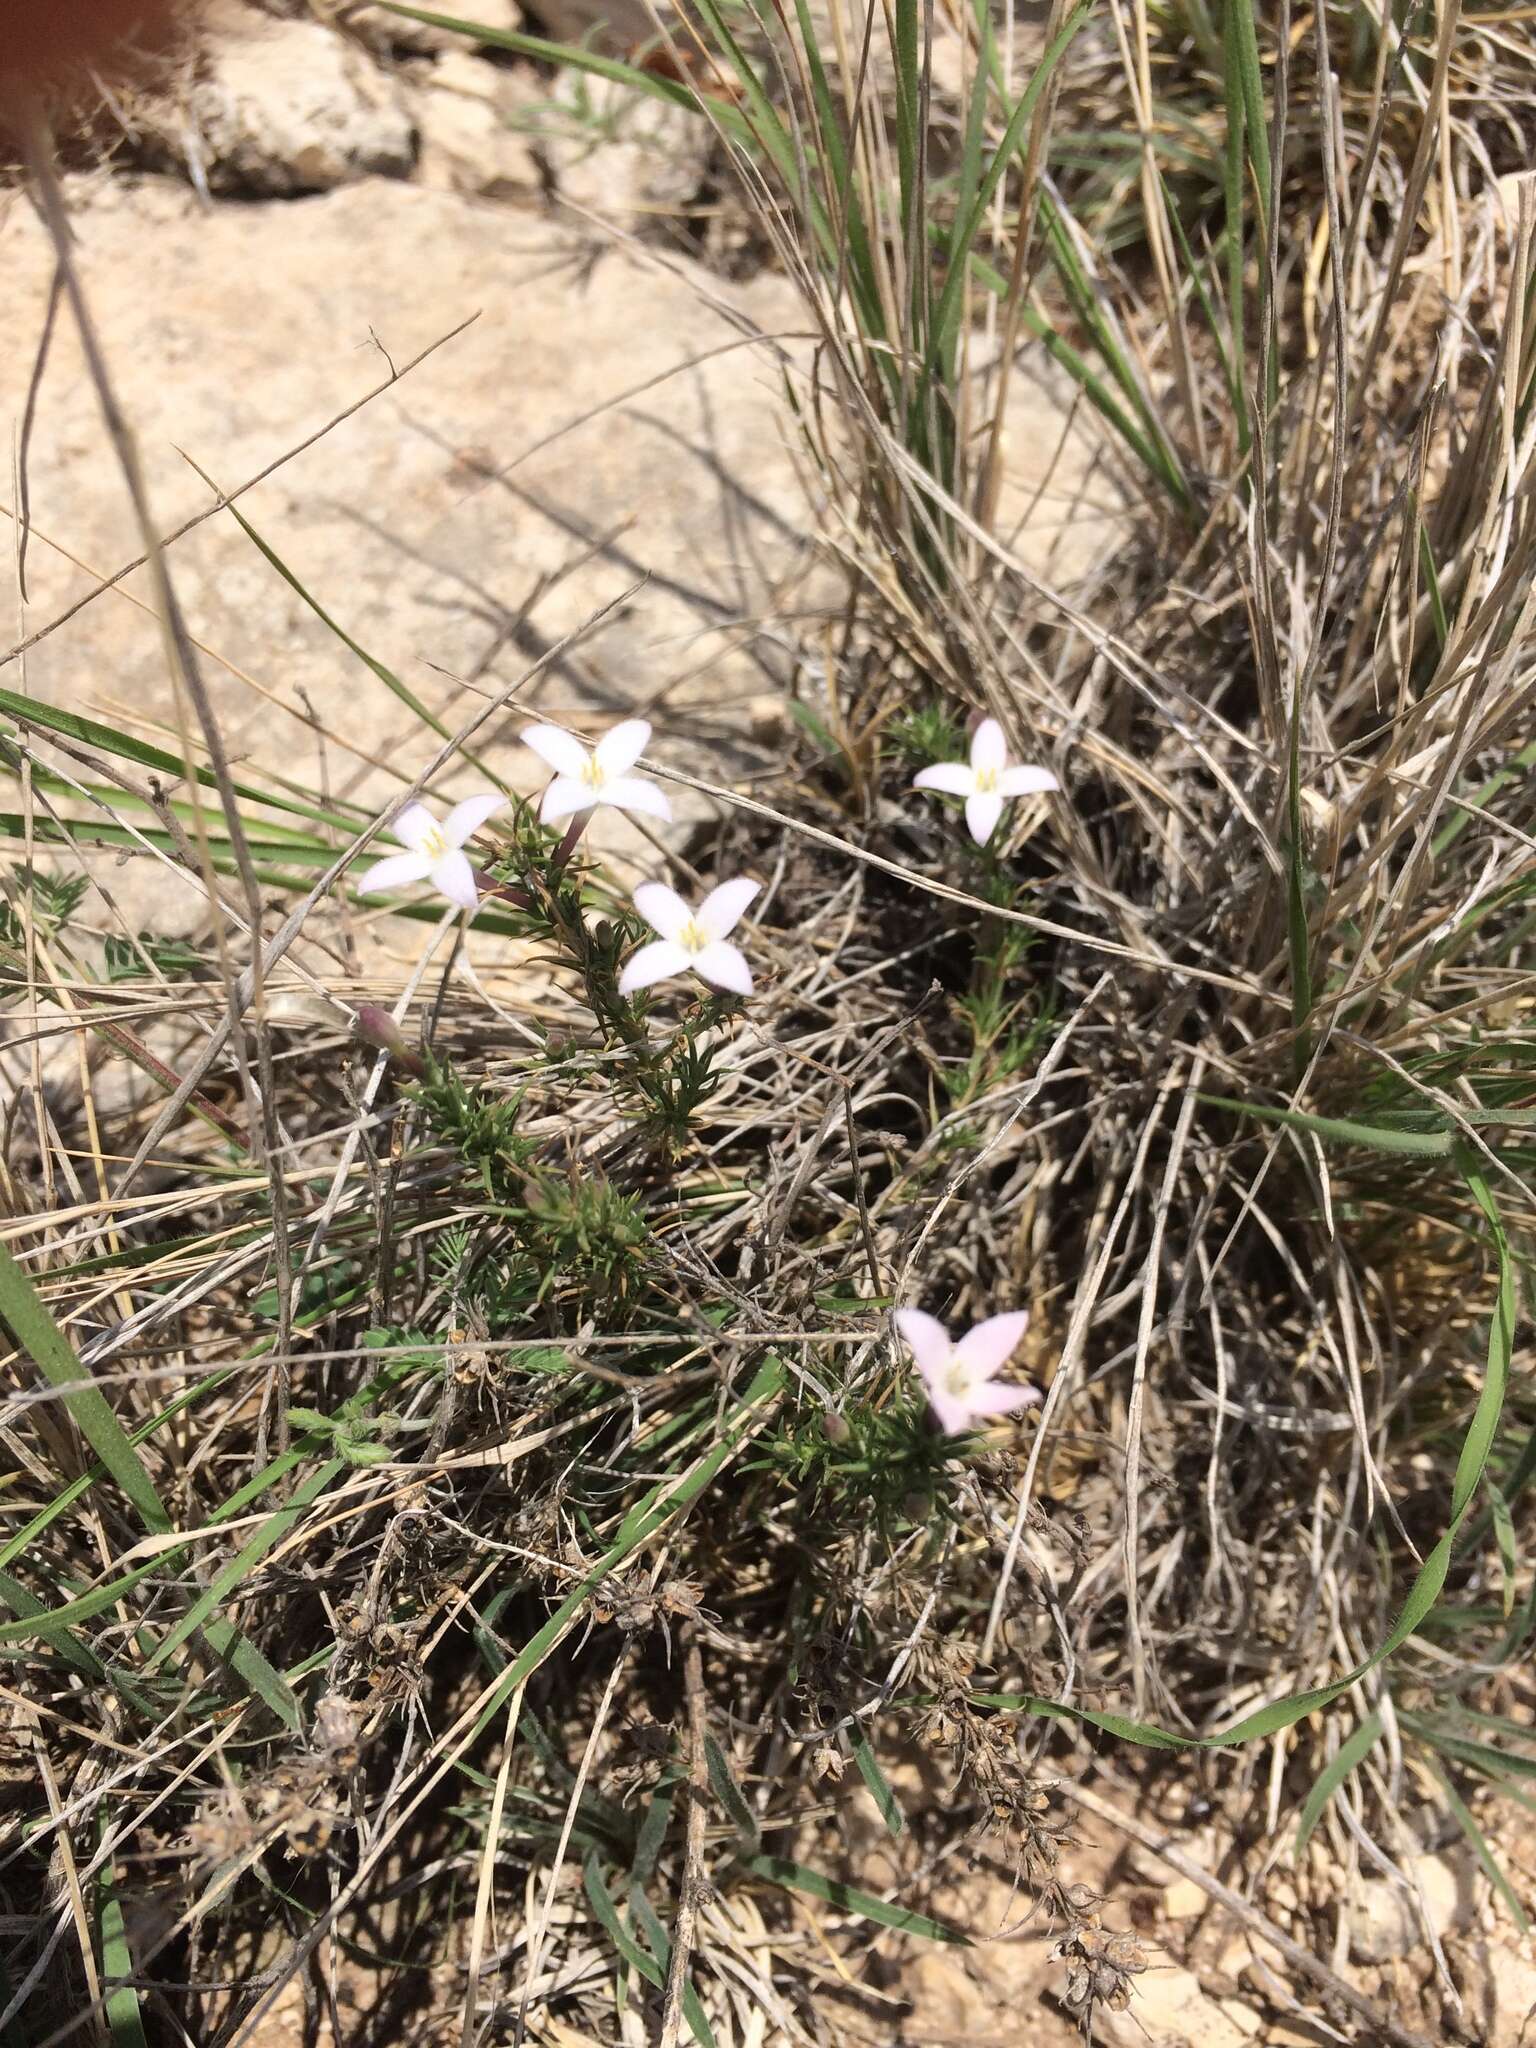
<point>651,169</point>
<point>468,140</point>
<point>1171,2009</point>
<point>1510,1991</point>
<point>236,332</point>
<point>281,107</point>
<point>1385,1920</point>
<point>1184,1899</point>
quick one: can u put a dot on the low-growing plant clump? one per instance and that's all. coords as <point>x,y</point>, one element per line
<point>998,1264</point>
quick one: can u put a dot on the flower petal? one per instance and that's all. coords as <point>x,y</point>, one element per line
<point>622,745</point>
<point>1027,782</point>
<point>662,908</point>
<point>725,966</point>
<point>725,906</point>
<point>633,793</point>
<point>982,814</point>
<point>953,777</point>
<point>470,815</point>
<point>926,1338</point>
<point>454,878</point>
<point>395,871</point>
<point>989,749</point>
<point>567,756</point>
<point>655,962</point>
<point>991,1344</point>
<point>563,798</point>
<point>413,826</point>
<point>953,1411</point>
<point>996,1399</point>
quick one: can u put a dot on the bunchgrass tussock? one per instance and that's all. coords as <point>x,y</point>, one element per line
<point>465,1506</point>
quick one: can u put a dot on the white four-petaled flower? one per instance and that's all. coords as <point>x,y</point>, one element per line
<point>987,782</point>
<point>691,938</point>
<point>585,777</point>
<point>435,852</point>
<point>961,1379</point>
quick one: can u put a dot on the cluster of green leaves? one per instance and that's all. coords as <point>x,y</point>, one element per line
<point>51,901</point>
<point>872,1461</point>
<point>1006,1016</point>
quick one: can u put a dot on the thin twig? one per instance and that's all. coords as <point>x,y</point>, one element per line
<point>692,1885</point>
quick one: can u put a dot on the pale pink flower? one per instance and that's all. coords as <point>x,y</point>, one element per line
<point>435,851</point>
<point>691,938</point>
<point>961,1379</point>
<point>586,777</point>
<point>987,782</point>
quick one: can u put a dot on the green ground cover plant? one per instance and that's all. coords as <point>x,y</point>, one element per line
<point>473,1484</point>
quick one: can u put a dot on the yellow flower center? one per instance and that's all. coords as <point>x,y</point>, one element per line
<point>957,1378</point>
<point>693,938</point>
<point>591,774</point>
<point>986,781</point>
<point>433,844</point>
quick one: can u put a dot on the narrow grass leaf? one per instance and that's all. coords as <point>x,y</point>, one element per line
<point>125,2020</point>
<point>798,1877</point>
<point>878,1783</point>
<point>1345,1130</point>
<point>39,1336</point>
<point>1504,1537</point>
<point>1351,1754</point>
<point>729,1794</point>
<point>1492,1869</point>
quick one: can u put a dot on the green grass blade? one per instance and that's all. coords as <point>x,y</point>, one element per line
<point>39,1336</point>
<point>878,1783</point>
<point>566,56</point>
<point>1237,123</point>
<point>1250,80</point>
<point>1492,1869</point>
<point>110,740</point>
<point>947,314</point>
<point>125,2021</point>
<point>1504,1537</point>
<point>848,1898</point>
<point>728,1792</point>
<point>1345,1130</point>
<point>649,1922</point>
<point>59,1637</point>
<point>1351,1755</point>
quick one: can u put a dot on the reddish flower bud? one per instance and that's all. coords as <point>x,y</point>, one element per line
<point>376,1027</point>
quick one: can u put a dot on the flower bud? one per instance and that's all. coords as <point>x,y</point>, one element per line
<point>834,1427</point>
<point>376,1027</point>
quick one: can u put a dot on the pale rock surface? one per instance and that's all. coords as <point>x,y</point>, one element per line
<point>1184,1900</point>
<point>279,107</point>
<point>1170,2009</point>
<point>465,113</point>
<point>1505,1999</point>
<point>645,166</point>
<point>235,332</point>
<point>1385,1920</point>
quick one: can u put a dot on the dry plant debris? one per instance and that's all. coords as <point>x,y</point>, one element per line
<point>466,1513</point>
